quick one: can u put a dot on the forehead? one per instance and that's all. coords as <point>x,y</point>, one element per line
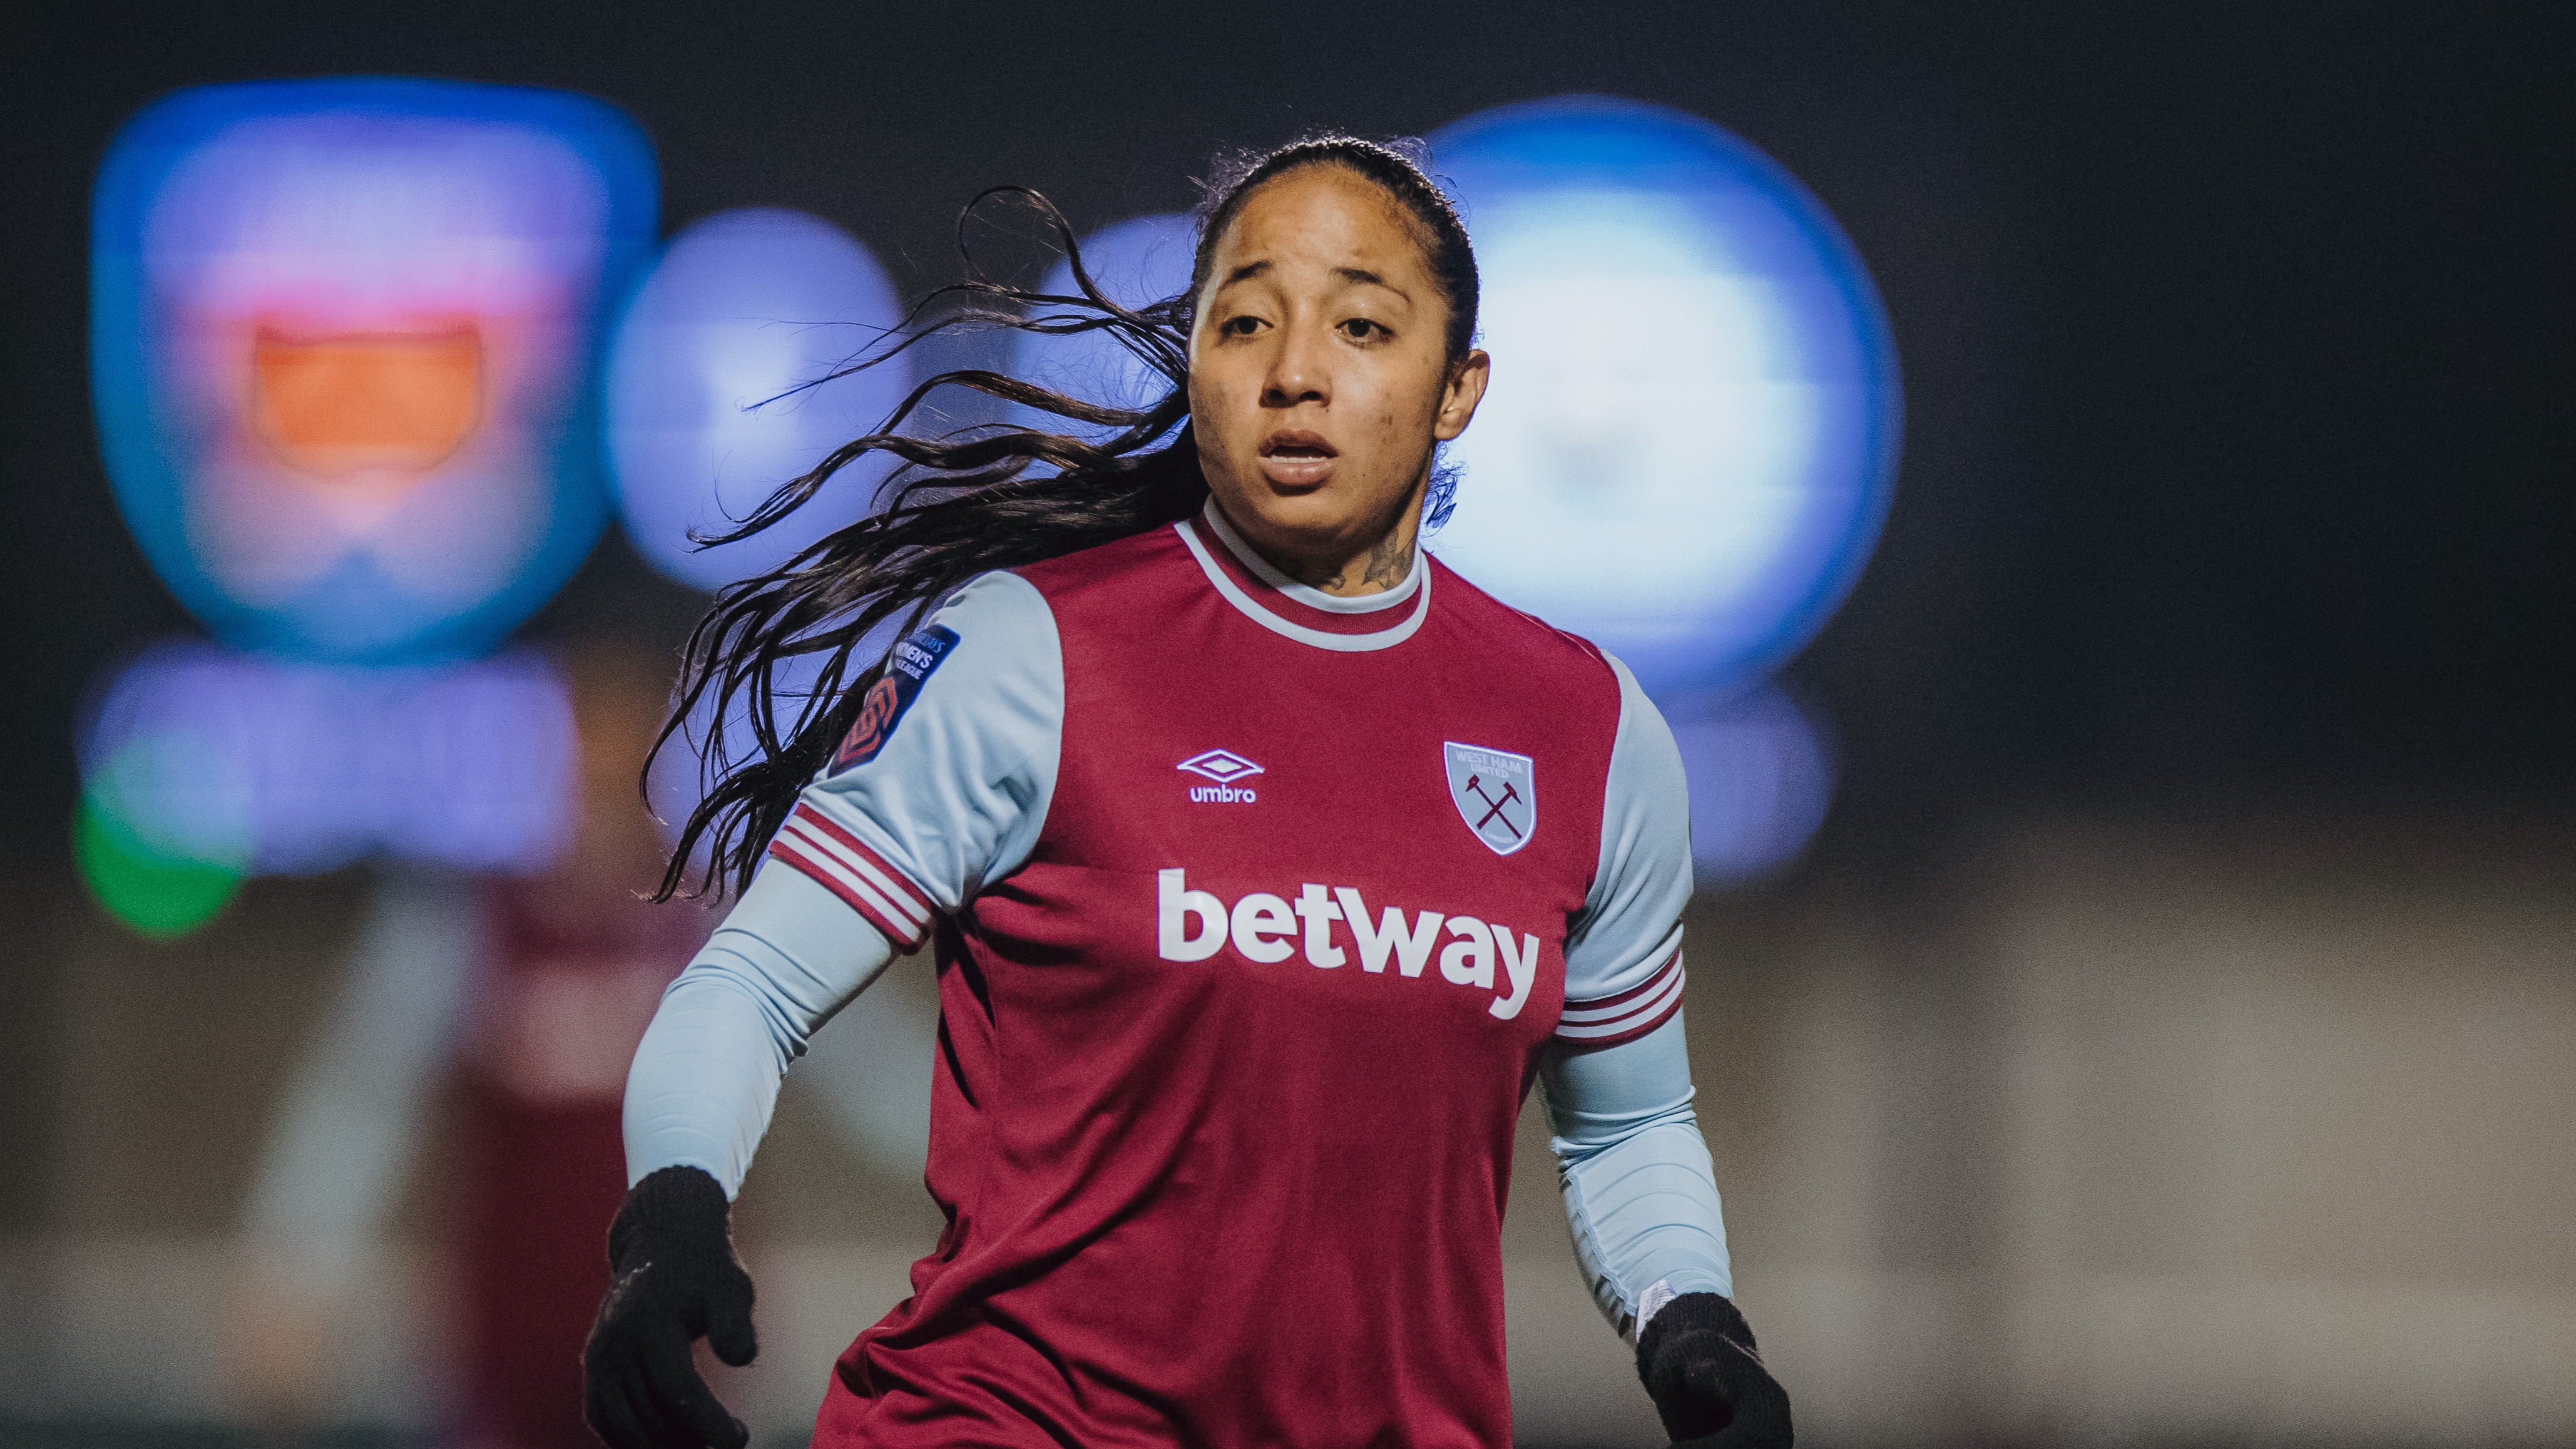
<point>1323,217</point>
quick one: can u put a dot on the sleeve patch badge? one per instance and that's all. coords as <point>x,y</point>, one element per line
<point>887,699</point>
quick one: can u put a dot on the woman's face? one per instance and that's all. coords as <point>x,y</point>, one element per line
<point>1320,377</point>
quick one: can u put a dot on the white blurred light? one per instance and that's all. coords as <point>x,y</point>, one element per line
<point>1690,435</point>
<point>705,415</point>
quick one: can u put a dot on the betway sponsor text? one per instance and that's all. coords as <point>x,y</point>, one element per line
<point>1193,925</point>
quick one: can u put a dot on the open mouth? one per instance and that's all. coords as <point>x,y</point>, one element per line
<point>1297,459</point>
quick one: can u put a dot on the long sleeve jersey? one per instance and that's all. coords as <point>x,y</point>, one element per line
<point>1258,911</point>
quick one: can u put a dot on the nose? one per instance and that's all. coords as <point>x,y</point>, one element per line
<point>1300,371</point>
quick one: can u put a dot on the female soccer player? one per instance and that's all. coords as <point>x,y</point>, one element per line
<point>1267,862</point>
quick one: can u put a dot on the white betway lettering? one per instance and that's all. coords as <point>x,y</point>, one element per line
<point>1319,913</point>
<point>1412,952</point>
<point>1174,905</point>
<point>1192,925</point>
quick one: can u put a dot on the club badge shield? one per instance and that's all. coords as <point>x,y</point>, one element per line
<point>1496,793</point>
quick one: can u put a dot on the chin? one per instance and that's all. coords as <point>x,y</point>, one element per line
<point>1318,512</point>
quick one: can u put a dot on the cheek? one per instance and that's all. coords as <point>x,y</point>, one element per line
<point>1401,411</point>
<point>1215,398</point>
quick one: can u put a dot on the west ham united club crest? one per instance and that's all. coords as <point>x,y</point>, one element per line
<point>1496,793</point>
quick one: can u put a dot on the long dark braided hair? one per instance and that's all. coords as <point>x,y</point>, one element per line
<point>968,502</point>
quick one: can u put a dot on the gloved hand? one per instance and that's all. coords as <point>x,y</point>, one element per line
<point>1708,1383</point>
<point>674,1278</point>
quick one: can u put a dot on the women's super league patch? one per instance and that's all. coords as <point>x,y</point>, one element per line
<point>892,694</point>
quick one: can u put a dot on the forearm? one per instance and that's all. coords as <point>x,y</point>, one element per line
<point>705,1077</point>
<point>1640,1196</point>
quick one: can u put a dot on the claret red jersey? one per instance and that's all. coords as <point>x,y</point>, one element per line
<point>1255,909</point>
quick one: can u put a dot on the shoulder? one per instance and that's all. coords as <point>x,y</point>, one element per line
<point>1537,650</point>
<point>1001,600</point>
<point>1138,561</point>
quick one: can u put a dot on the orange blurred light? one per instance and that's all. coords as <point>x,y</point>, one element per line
<point>342,404</point>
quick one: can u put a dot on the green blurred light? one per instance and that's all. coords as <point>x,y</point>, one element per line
<point>157,894</point>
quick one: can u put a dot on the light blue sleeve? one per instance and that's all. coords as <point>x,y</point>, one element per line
<point>954,787</point>
<point>1640,1196</point>
<point>705,1078</point>
<point>1623,952</point>
<point>951,794</point>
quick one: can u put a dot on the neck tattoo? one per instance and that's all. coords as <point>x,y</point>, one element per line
<point>1386,566</point>
<point>1390,561</point>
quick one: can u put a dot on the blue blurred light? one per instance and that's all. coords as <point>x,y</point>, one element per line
<point>704,417</point>
<point>266,767</point>
<point>1691,434</point>
<point>1761,779</point>
<point>1135,262</point>
<point>341,344</point>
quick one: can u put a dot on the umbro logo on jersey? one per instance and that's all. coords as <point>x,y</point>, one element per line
<point>1225,767</point>
<point>1194,925</point>
<point>1496,793</point>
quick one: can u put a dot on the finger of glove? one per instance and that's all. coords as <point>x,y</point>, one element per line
<point>628,1387</point>
<point>608,1409</point>
<point>1711,1380</point>
<point>1695,1400</point>
<point>632,1395</point>
<point>733,1340</point>
<point>688,1411</point>
<point>1759,1417</point>
<point>1697,1384</point>
<point>614,1399</point>
<point>729,1330</point>
<point>1747,1430</point>
<point>660,1428</point>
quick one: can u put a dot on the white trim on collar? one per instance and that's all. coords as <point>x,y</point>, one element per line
<point>1419,583</point>
<point>1307,594</point>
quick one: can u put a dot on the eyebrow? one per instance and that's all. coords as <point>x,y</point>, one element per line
<point>1369,278</point>
<point>1360,275</point>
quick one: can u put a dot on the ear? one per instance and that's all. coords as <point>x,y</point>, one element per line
<point>1458,400</point>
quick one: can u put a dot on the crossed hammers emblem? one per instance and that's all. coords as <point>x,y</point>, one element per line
<point>1494,807</point>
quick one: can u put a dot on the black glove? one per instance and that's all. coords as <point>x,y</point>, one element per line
<point>673,1278</point>
<point>1708,1383</point>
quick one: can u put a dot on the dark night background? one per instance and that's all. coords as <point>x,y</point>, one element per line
<point>2234,338</point>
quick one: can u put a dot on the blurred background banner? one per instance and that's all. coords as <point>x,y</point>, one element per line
<point>2134,976</point>
<point>341,339</point>
<point>206,766</point>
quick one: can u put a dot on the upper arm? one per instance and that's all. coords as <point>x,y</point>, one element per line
<point>1623,965</point>
<point>946,779</point>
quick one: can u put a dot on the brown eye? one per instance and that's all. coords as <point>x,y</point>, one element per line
<point>1240,326</point>
<point>1362,329</point>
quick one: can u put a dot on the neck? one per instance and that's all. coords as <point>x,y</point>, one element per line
<point>1345,570</point>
